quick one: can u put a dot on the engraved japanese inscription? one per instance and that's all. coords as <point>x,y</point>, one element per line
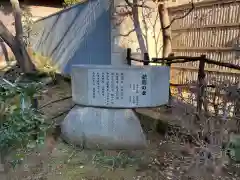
<point>118,87</point>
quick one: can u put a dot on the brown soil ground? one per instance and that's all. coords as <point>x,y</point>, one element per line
<point>163,159</point>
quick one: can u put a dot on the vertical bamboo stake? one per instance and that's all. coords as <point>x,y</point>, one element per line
<point>129,61</point>
<point>146,59</point>
<point>170,95</point>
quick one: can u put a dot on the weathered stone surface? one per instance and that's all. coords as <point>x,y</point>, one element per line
<point>121,86</point>
<point>98,128</point>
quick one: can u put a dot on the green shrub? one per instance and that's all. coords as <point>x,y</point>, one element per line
<point>21,125</point>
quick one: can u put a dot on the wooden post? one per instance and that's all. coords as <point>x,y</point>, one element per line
<point>237,108</point>
<point>170,94</point>
<point>168,62</point>
<point>129,61</point>
<point>201,83</point>
<point>146,59</point>
<point>237,114</point>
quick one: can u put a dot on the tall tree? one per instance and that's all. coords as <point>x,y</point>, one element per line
<point>166,30</point>
<point>132,9</point>
<point>166,26</point>
<point>16,42</point>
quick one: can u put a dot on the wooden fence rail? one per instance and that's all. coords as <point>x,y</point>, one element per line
<point>183,59</point>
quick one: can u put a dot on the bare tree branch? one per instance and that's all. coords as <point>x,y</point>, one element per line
<point>128,33</point>
<point>6,35</point>
<point>120,15</point>
<point>4,49</point>
<point>125,13</point>
<point>128,3</point>
<point>16,43</point>
<point>137,26</point>
<point>131,10</point>
<point>181,17</point>
<point>146,28</point>
<point>18,18</point>
<point>135,4</point>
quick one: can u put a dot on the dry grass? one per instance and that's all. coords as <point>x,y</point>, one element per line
<point>165,157</point>
<point>42,63</point>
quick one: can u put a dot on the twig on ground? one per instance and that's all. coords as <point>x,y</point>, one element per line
<point>64,112</point>
<point>55,101</point>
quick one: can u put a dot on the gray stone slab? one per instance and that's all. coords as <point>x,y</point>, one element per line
<point>120,87</point>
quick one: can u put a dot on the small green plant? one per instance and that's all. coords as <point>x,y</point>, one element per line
<point>68,3</point>
<point>21,125</point>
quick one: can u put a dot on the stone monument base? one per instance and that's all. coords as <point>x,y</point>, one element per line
<point>99,128</point>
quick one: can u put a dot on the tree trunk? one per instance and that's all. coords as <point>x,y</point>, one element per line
<point>137,27</point>
<point>166,35</point>
<point>16,43</point>
<point>21,52</point>
<point>166,30</point>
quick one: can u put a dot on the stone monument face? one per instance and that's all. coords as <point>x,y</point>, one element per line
<point>120,87</point>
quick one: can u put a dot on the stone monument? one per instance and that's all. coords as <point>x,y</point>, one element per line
<point>104,96</point>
